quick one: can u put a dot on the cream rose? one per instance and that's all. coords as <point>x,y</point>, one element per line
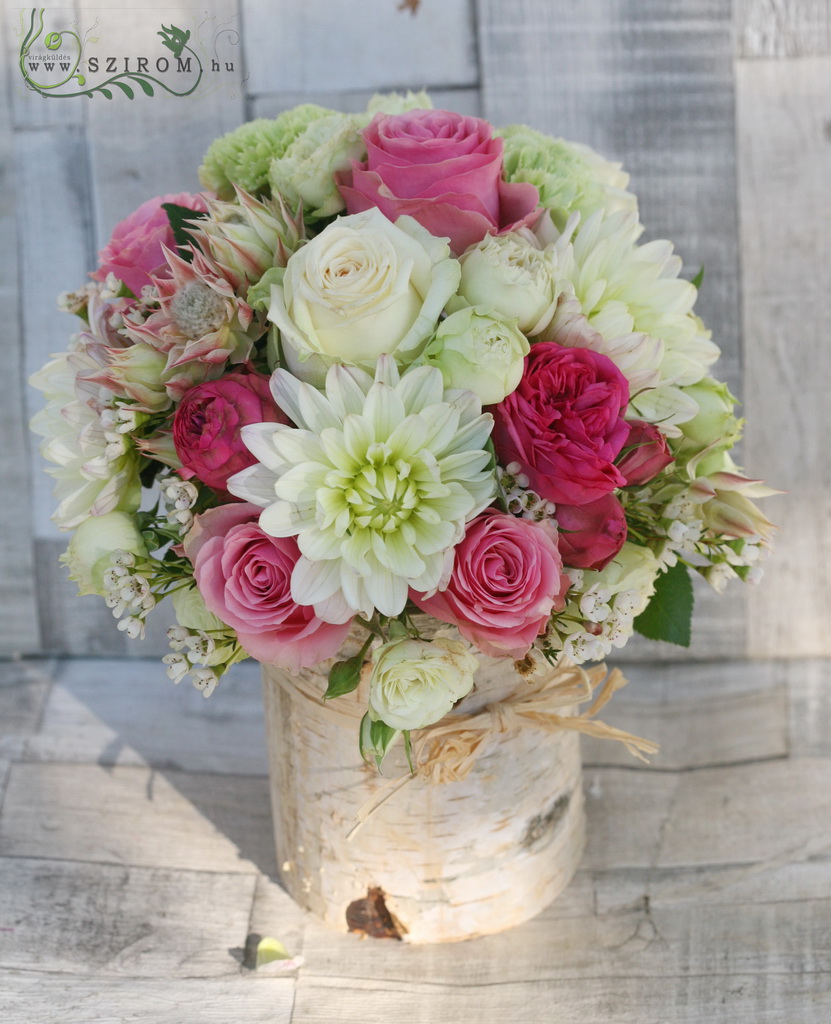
<point>416,682</point>
<point>480,350</point>
<point>361,288</point>
<point>514,277</point>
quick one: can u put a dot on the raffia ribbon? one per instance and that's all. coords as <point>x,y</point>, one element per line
<point>446,752</point>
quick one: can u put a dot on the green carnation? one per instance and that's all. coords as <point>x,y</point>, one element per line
<point>305,171</point>
<point>243,157</point>
<point>568,175</point>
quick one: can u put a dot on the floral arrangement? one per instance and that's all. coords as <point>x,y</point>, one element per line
<point>386,365</point>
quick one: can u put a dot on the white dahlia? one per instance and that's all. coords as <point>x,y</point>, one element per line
<point>627,301</point>
<point>96,469</point>
<point>376,482</point>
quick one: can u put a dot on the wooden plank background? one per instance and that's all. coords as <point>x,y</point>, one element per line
<point>720,109</point>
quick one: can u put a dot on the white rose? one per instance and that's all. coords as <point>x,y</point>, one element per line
<point>480,350</point>
<point>88,554</point>
<point>514,277</point>
<point>416,682</point>
<point>361,288</point>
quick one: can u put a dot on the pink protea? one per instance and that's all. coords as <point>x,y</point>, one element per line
<point>201,325</point>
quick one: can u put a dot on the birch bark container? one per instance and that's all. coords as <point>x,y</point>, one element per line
<point>434,862</point>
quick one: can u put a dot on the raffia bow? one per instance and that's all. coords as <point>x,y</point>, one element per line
<point>446,752</point>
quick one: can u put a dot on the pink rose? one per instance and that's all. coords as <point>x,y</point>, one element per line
<point>244,577</point>
<point>507,577</point>
<point>591,535</point>
<point>645,455</point>
<point>208,421</point>
<point>564,423</point>
<point>134,252</point>
<point>443,169</point>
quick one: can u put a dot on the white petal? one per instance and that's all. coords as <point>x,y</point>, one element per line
<point>282,519</point>
<point>315,409</point>
<point>420,388</point>
<point>467,402</point>
<point>318,545</point>
<point>387,592</point>
<point>254,484</point>
<point>347,388</point>
<point>295,446</point>
<point>336,609</point>
<point>258,438</point>
<point>312,582</point>
<point>473,435</point>
<point>384,410</point>
<point>300,483</point>
<point>285,389</point>
<point>386,372</point>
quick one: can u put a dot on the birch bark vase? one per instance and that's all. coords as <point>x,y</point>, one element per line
<point>435,862</point>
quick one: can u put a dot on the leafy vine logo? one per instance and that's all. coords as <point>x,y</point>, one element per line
<point>53,64</point>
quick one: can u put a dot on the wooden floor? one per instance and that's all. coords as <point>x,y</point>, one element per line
<point>136,866</point>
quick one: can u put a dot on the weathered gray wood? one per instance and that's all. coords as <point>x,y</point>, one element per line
<point>646,937</point>
<point>650,84</point>
<point>372,45</point>
<point>772,811</point>
<point>24,687</point>
<point>138,816</point>
<point>629,999</point>
<point>784,168</point>
<point>139,153</point>
<point>72,624</point>
<point>140,922</point>
<point>701,714</point>
<point>112,712</point>
<point>465,101</point>
<point>19,625</point>
<point>782,28</point>
<point>739,885</point>
<point>810,707</point>
<point>53,998</point>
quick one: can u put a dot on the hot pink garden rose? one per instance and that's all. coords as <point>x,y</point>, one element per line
<point>208,421</point>
<point>507,577</point>
<point>646,454</point>
<point>244,577</point>
<point>444,170</point>
<point>134,251</point>
<point>591,535</point>
<point>564,423</point>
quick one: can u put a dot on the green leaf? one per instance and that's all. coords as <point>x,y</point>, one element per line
<point>259,294</point>
<point>178,215</point>
<point>345,676</point>
<point>106,93</point>
<point>699,277</point>
<point>128,92</point>
<point>408,750</point>
<point>375,739</point>
<point>669,614</point>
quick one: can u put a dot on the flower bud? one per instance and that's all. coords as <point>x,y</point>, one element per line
<point>92,545</point>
